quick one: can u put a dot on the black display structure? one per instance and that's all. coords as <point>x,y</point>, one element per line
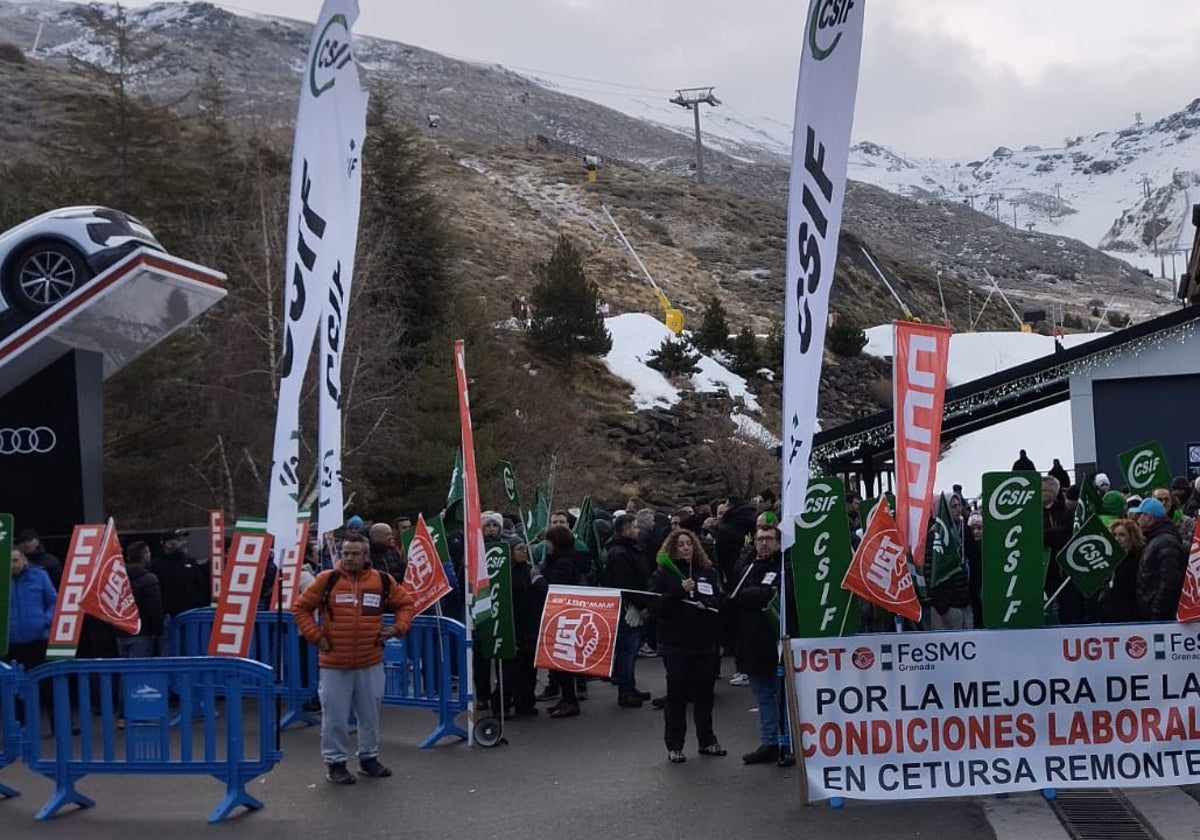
<point>52,373</point>
<point>52,446</point>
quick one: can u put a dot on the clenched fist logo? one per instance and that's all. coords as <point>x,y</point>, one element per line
<point>579,639</point>
<point>420,570</point>
<point>587,640</point>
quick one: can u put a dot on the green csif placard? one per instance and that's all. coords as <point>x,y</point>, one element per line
<point>1014,565</point>
<point>6,544</point>
<point>1145,467</point>
<point>509,477</point>
<point>820,557</point>
<point>1091,557</point>
<point>495,634</point>
<point>437,532</point>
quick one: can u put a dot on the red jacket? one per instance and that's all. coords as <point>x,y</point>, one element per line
<point>352,617</point>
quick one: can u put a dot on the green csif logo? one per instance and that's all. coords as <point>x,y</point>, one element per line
<point>1142,467</point>
<point>1010,498</point>
<point>820,500</point>
<point>1088,553</point>
<point>333,52</point>
<point>828,17</point>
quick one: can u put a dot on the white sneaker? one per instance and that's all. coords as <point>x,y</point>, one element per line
<point>739,679</point>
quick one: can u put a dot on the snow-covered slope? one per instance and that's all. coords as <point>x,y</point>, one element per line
<point>634,336</point>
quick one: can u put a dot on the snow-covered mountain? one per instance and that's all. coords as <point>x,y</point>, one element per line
<point>1128,191</point>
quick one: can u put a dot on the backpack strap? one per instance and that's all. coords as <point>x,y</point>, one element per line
<point>330,582</point>
<point>385,584</point>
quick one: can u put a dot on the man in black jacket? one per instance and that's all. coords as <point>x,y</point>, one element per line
<point>1056,532</point>
<point>27,543</point>
<point>1163,565</point>
<point>626,569</point>
<point>183,582</point>
<point>756,591</point>
<point>147,594</point>
<point>384,555</point>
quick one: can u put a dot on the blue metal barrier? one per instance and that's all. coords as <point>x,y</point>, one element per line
<point>10,730</point>
<point>420,670</point>
<point>189,633</point>
<point>140,689</point>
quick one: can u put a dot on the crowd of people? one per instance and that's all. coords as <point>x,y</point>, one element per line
<point>699,585</point>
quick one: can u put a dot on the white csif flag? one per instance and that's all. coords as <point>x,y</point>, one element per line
<point>322,231</point>
<point>820,147</point>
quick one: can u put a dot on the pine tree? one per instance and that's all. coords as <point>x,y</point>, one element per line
<point>772,350</point>
<point>714,329</point>
<point>747,357</point>
<point>406,235</point>
<point>845,337</point>
<point>566,319</point>
<point>673,358</point>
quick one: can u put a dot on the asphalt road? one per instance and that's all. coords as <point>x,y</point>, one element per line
<point>603,774</point>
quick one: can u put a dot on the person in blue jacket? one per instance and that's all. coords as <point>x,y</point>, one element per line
<point>30,613</point>
<point>32,610</point>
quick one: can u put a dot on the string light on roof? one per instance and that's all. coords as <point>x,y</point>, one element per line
<point>875,439</point>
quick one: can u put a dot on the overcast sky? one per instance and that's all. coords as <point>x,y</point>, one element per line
<point>939,77</point>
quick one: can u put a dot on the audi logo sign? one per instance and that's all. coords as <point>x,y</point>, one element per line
<point>27,440</point>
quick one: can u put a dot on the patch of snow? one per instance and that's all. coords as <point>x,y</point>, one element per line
<point>634,336</point>
<point>750,428</point>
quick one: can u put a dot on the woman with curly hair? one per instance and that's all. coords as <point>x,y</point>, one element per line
<point>1118,598</point>
<point>689,630</point>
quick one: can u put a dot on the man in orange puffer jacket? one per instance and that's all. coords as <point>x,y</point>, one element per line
<point>350,639</point>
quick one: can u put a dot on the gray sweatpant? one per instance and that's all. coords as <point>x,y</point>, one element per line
<point>361,691</point>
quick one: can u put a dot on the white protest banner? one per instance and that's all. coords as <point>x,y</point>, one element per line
<point>338,93</point>
<point>913,715</point>
<point>325,170</point>
<point>825,94</point>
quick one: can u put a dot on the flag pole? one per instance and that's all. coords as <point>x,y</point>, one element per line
<point>278,653</point>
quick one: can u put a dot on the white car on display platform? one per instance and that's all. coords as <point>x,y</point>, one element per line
<point>46,258</point>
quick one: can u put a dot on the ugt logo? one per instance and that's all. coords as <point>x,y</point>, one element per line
<point>576,639</point>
